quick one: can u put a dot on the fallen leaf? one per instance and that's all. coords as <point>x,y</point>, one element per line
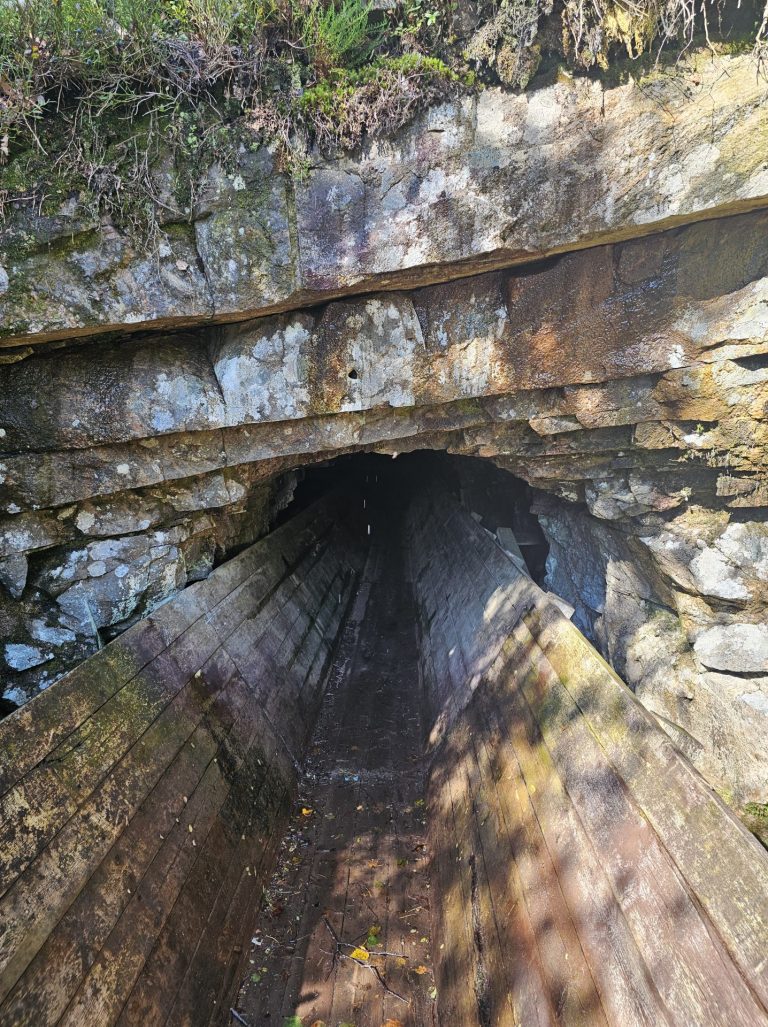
<point>392,1023</point>
<point>401,961</point>
<point>361,954</point>
<point>420,970</point>
<point>318,1023</point>
<point>306,811</point>
<point>433,993</point>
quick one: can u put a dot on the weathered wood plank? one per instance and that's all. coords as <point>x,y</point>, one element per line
<point>50,981</point>
<point>105,988</point>
<point>624,981</point>
<point>701,835</point>
<point>245,816</point>
<point>699,983</point>
<point>41,725</point>
<point>32,731</point>
<point>37,900</point>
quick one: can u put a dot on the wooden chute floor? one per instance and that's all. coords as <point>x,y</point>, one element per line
<point>475,802</point>
<point>352,872</point>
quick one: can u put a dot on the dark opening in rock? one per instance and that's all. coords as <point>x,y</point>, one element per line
<point>499,501</point>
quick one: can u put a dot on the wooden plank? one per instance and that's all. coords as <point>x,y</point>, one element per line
<point>233,943</point>
<point>38,727</point>
<point>86,755</point>
<point>31,813</point>
<point>701,983</point>
<point>569,985</point>
<point>503,836</point>
<point>29,733</point>
<point>700,834</point>
<point>224,933</point>
<point>307,974</point>
<point>52,978</point>
<point>493,994</point>
<point>241,759</point>
<point>109,771</point>
<point>36,901</point>
<point>106,987</point>
<point>515,749</point>
<point>197,985</point>
<point>455,963</point>
<point>81,762</point>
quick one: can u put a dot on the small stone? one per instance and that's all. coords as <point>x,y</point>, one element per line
<point>20,657</point>
<point>13,574</point>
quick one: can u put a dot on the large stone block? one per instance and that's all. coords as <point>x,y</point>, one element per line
<point>483,182</point>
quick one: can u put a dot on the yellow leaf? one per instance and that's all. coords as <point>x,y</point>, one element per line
<point>392,1023</point>
<point>361,954</point>
<point>306,811</point>
<point>420,970</point>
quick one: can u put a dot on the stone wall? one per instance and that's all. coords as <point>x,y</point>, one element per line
<point>483,182</point>
<point>142,799</point>
<point>72,580</point>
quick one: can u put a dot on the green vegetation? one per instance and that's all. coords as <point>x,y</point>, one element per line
<point>757,809</point>
<point>95,95</point>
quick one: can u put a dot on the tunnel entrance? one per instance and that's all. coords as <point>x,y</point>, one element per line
<point>351,879</point>
<point>367,773</point>
<point>345,930</point>
<point>496,498</point>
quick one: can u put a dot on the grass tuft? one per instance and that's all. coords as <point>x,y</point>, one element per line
<point>97,96</point>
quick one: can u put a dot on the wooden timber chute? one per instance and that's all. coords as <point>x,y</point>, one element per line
<point>582,873</point>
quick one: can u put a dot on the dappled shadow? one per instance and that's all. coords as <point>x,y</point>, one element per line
<point>563,898</point>
<point>559,821</point>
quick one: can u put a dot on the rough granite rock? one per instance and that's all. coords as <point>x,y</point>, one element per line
<point>486,181</point>
<point>737,648</point>
<point>696,297</point>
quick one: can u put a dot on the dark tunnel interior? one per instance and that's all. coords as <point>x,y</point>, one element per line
<point>495,497</point>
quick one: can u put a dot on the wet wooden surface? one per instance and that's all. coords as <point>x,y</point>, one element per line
<point>352,872</point>
<point>552,860</point>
